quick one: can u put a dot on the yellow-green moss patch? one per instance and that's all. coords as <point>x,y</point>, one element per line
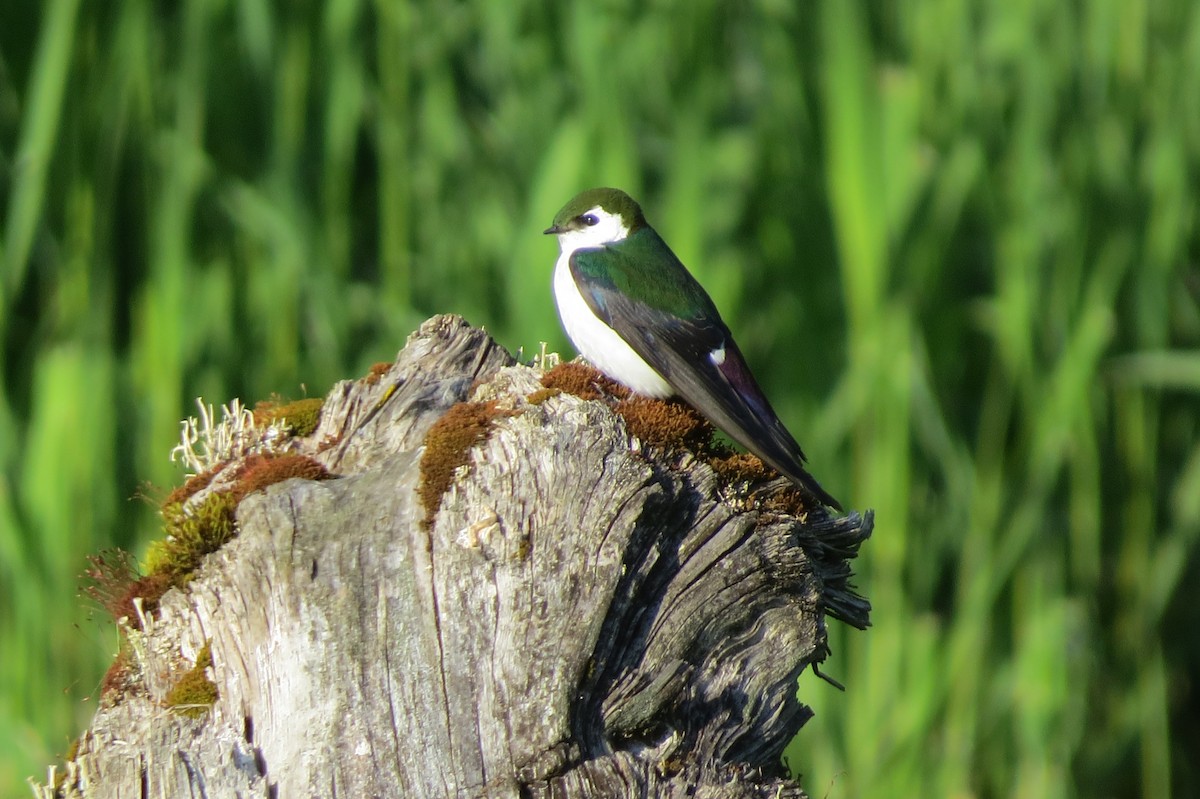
<point>194,694</point>
<point>447,444</point>
<point>193,531</point>
<point>192,534</point>
<point>61,776</point>
<point>299,416</point>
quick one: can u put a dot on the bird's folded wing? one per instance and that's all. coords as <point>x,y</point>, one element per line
<point>700,360</point>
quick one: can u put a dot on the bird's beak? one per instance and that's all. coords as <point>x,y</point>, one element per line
<point>553,230</point>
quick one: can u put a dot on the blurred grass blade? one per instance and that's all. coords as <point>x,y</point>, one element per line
<point>39,133</point>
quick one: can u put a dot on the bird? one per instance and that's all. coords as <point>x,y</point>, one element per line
<point>636,313</point>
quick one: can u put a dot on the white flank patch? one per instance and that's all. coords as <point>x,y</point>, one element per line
<point>717,356</point>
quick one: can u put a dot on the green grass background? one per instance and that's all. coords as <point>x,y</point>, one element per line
<point>956,238</point>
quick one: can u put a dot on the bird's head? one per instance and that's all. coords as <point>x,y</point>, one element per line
<point>596,217</point>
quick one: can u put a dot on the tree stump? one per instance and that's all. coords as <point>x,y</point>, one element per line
<point>575,614</point>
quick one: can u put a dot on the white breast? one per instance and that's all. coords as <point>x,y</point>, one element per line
<point>598,342</point>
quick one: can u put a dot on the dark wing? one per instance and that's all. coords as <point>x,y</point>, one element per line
<point>682,350</point>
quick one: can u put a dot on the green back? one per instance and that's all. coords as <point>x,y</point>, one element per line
<point>642,266</point>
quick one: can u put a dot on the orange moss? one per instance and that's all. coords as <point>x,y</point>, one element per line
<point>150,590</point>
<point>118,679</point>
<point>194,694</point>
<point>746,470</point>
<point>670,424</point>
<point>190,487</point>
<point>264,410</point>
<point>741,467</point>
<point>376,372</point>
<point>113,582</point>
<point>789,502</point>
<point>107,578</point>
<point>329,442</point>
<point>584,382</point>
<point>259,471</point>
<point>446,446</point>
<point>541,395</point>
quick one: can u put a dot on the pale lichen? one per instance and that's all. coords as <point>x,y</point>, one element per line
<point>206,443</point>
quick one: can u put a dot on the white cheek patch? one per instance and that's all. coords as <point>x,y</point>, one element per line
<point>574,240</point>
<point>608,228</point>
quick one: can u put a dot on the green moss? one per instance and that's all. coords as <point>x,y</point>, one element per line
<point>157,554</point>
<point>300,416</point>
<point>446,446</point>
<point>194,694</point>
<point>191,535</point>
<point>192,532</point>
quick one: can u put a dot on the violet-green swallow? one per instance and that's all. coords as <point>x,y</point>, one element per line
<point>636,313</point>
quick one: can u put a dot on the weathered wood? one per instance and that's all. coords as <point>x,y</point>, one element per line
<point>582,618</point>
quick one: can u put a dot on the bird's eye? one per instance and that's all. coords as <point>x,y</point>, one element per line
<point>590,220</point>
